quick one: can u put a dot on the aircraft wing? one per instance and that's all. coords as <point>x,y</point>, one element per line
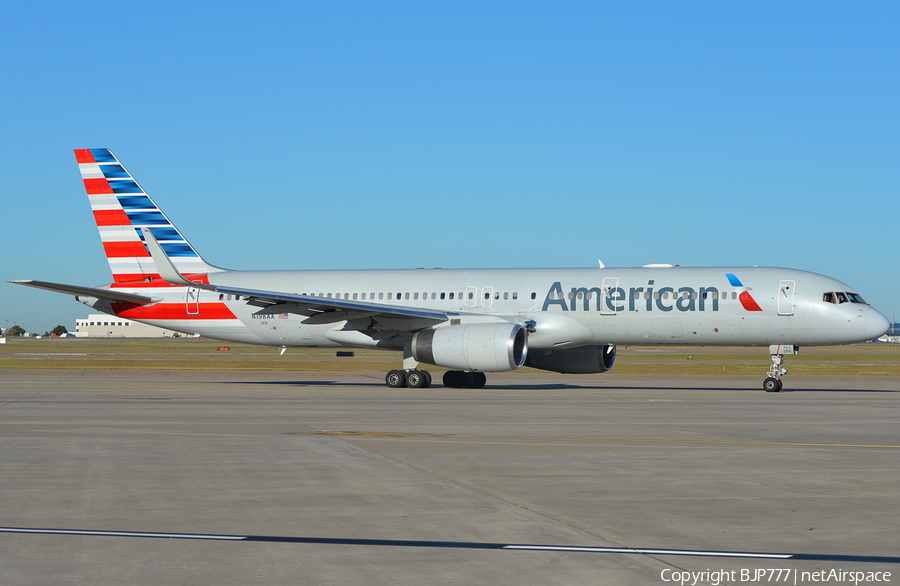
<point>318,309</point>
<point>88,292</point>
<point>275,302</point>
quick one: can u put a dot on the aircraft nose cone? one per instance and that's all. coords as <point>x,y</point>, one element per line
<point>876,324</point>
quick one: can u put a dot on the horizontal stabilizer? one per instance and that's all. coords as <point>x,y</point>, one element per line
<point>87,292</point>
<point>163,263</point>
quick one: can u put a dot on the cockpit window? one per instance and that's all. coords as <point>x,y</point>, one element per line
<point>841,297</point>
<point>855,298</point>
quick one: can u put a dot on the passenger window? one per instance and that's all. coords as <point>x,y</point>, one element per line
<point>415,295</point>
<point>497,295</point>
<point>515,295</point>
<point>390,296</point>
<point>471,295</point>
<point>221,296</point>
<point>407,296</point>
<point>505,295</point>
<point>363,296</point>
<point>533,295</point>
<point>381,296</point>
<point>434,295</point>
<point>443,295</point>
<point>451,296</point>
<point>354,296</point>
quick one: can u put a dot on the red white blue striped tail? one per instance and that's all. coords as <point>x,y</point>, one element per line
<point>121,208</point>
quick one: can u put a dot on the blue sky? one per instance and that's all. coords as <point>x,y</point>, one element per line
<point>469,134</point>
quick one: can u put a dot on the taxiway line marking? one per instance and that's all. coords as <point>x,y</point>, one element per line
<point>584,439</point>
<point>456,545</point>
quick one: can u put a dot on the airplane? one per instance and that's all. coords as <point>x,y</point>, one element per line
<point>470,321</point>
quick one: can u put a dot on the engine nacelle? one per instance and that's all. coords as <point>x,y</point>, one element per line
<point>485,347</point>
<point>581,360</point>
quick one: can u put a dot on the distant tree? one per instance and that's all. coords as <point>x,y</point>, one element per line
<point>16,330</point>
<point>60,331</point>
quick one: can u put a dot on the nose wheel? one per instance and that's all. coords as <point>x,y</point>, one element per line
<point>772,384</point>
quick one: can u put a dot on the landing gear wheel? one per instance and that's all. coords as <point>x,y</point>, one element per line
<point>395,379</point>
<point>453,379</point>
<point>772,385</point>
<point>428,377</point>
<point>474,380</point>
<point>416,379</point>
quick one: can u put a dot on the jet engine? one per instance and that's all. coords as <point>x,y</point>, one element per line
<point>581,360</point>
<point>485,347</point>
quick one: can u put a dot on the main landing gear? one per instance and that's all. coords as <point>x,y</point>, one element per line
<point>421,379</point>
<point>772,384</point>
<point>413,378</point>
<point>456,379</point>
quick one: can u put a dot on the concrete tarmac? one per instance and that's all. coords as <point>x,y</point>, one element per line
<point>339,480</point>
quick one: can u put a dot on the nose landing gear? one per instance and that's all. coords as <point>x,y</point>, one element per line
<point>772,384</point>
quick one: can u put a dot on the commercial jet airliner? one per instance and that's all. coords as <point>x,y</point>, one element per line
<point>470,321</point>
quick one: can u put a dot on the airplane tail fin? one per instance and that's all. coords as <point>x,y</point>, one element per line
<point>121,208</point>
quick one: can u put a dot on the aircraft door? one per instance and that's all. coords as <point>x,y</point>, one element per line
<point>786,298</point>
<point>471,294</point>
<point>607,290</point>
<point>192,301</point>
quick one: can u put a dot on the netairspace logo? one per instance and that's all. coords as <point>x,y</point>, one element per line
<point>773,576</point>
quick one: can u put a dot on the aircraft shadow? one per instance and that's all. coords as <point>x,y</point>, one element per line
<point>558,386</point>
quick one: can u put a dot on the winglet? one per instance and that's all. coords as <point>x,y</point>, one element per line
<point>164,266</point>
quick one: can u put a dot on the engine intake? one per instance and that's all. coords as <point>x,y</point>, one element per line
<point>485,347</point>
<point>581,360</point>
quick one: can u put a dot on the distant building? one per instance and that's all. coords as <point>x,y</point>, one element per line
<point>893,334</point>
<point>101,325</point>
